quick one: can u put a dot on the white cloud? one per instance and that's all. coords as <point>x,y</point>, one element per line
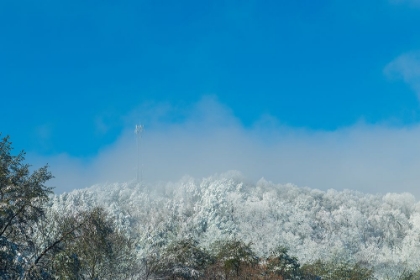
<point>209,139</point>
<point>407,68</point>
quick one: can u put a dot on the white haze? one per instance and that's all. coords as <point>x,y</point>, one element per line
<point>208,139</point>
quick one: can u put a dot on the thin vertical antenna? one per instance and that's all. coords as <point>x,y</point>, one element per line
<point>138,131</point>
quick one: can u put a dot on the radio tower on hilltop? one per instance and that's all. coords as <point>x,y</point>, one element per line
<point>138,131</point>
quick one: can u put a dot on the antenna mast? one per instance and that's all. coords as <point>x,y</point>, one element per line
<point>138,131</point>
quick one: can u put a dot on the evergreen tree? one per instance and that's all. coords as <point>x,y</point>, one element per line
<point>282,264</point>
<point>22,196</point>
<point>95,250</point>
<point>184,259</point>
<point>234,256</point>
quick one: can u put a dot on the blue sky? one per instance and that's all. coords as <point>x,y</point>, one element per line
<point>75,76</point>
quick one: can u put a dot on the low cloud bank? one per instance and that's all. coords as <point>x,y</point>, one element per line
<point>208,139</point>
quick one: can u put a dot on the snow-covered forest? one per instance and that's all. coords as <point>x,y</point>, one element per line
<point>346,226</point>
<point>220,227</point>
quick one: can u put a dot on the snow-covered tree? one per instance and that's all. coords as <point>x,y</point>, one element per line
<point>343,226</point>
<point>233,256</point>
<point>22,197</point>
<point>95,250</point>
<point>183,259</point>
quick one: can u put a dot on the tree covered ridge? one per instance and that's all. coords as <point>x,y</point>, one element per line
<point>351,227</point>
<point>220,227</point>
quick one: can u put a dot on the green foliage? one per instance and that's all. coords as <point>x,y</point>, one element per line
<point>234,255</point>
<point>85,246</point>
<point>95,250</point>
<point>22,194</point>
<point>337,271</point>
<point>280,263</point>
<point>411,275</point>
<point>184,259</point>
<point>10,266</point>
<point>22,197</point>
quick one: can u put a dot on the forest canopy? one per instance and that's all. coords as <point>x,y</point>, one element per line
<point>220,227</point>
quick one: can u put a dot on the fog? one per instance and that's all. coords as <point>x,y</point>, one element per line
<point>209,139</point>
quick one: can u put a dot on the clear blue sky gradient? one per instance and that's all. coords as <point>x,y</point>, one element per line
<point>318,65</point>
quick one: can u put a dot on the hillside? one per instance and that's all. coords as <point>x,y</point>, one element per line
<point>345,226</point>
